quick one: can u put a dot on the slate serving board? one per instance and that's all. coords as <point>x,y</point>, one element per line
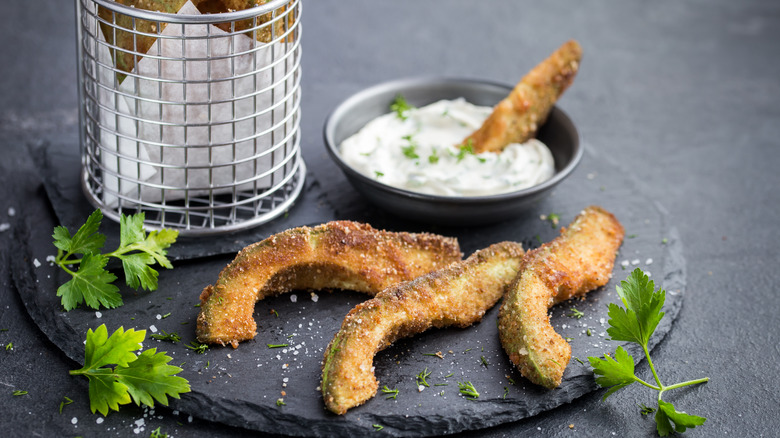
<point>240,387</point>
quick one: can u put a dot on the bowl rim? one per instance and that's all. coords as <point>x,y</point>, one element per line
<point>417,81</point>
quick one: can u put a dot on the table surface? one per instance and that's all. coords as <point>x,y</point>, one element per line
<point>683,95</point>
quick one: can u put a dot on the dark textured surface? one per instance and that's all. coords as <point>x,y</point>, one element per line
<point>681,95</point>
<point>225,383</point>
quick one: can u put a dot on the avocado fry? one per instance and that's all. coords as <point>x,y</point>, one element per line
<point>517,118</point>
<point>458,295</point>
<point>342,255</point>
<point>578,261</point>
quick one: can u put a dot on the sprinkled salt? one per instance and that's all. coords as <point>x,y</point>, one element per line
<point>189,419</point>
<point>99,420</point>
<point>4,227</point>
<point>98,315</point>
<point>11,211</point>
<point>294,298</point>
<point>153,329</point>
<point>36,263</point>
<point>50,258</point>
<point>158,316</point>
<point>420,388</point>
<point>315,297</point>
<point>649,261</point>
<point>74,420</point>
<point>635,262</point>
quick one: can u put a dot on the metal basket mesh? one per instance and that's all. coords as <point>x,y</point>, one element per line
<point>192,119</point>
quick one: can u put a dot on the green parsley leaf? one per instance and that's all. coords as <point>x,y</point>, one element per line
<point>576,313</point>
<point>142,379</point>
<point>643,309</point>
<point>90,284</point>
<point>151,247</point>
<point>378,427</point>
<point>87,240</point>
<point>667,414</point>
<point>401,107</point>
<point>19,392</point>
<point>150,378</point>
<point>614,373</point>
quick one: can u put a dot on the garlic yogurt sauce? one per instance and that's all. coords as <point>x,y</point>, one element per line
<point>416,150</point>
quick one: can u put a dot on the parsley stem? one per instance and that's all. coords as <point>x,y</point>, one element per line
<point>652,368</point>
<point>647,384</point>
<point>681,384</point>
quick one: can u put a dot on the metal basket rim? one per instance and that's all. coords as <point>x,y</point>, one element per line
<point>190,18</point>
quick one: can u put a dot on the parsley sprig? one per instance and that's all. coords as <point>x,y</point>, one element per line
<point>91,283</point>
<point>141,378</point>
<point>636,323</point>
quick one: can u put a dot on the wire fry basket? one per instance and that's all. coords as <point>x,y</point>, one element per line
<point>191,118</point>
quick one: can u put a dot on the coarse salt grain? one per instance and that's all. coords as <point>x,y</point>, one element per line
<point>158,316</point>
<point>649,261</point>
<point>294,298</point>
<point>99,420</point>
<point>50,258</point>
<point>98,315</point>
<point>315,297</point>
<point>635,262</point>
<point>36,263</point>
<point>11,211</point>
<point>74,420</point>
<point>5,227</point>
<point>153,329</point>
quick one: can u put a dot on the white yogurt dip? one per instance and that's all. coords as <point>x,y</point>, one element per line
<point>420,153</point>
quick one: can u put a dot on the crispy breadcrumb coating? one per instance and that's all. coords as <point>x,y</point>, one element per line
<point>517,118</point>
<point>340,255</point>
<point>578,261</point>
<point>458,295</point>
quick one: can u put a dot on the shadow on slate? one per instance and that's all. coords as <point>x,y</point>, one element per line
<point>61,174</point>
<point>240,387</point>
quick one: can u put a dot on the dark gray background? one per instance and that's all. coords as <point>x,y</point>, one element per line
<point>683,95</point>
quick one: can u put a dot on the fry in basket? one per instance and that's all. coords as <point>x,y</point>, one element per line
<point>130,45</point>
<point>517,118</point>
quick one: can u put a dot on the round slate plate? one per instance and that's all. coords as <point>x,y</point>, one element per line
<point>240,387</point>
